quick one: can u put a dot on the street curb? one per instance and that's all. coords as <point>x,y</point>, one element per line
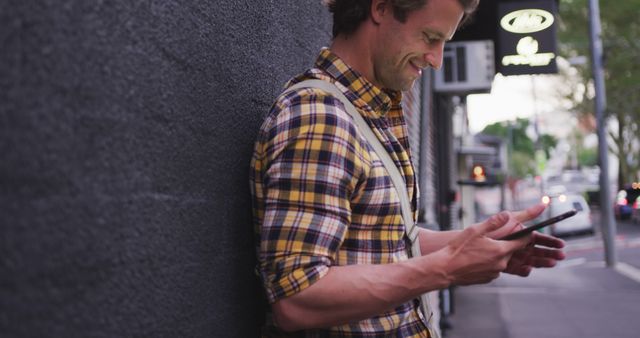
<point>628,271</point>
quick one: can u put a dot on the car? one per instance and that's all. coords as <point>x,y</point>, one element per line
<point>563,202</point>
<point>553,191</point>
<point>635,213</point>
<point>625,198</point>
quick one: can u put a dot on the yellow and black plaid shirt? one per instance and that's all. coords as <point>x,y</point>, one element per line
<point>323,198</point>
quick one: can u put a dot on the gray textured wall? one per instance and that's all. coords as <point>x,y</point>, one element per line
<point>126,130</point>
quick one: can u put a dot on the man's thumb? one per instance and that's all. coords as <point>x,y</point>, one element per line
<point>494,222</point>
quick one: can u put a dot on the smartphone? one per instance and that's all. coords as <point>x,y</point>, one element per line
<point>529,229</point>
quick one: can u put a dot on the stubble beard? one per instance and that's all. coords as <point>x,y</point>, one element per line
<point>391,77</point>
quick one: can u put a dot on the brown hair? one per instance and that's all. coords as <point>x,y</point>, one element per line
<point>349,14</point>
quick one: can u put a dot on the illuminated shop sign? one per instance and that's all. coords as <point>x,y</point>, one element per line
<point>528,55</point>
<point>527,21</point>
<point>527,37</point>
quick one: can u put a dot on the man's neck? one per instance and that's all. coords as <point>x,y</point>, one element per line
<point>355,51</point>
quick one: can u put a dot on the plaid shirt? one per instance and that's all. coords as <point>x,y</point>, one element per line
<point>323,198</point>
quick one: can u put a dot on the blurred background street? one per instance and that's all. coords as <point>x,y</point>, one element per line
<point>579,298</point>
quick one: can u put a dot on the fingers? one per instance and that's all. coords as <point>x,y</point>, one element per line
<point>523,256</point>
<point>508,228</point>
<point>543,262</point>
<point>544,253</point>
<point>523,271</point>
<point>548,241</point>
<point>529,213</point>
<point>520,264</point>
<point>481,229</point>
<point>520,243</point>
<point>493,223</point>
<point>515,220</point>
<point>524,261</point>
<point>500,224</point>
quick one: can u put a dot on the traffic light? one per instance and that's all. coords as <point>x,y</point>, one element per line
<point>478,173</point>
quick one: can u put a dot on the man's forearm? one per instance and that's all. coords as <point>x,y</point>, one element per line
<point>432,241</point>
<point>355,292</point>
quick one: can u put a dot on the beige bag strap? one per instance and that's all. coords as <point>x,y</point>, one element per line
<point>398,182</point>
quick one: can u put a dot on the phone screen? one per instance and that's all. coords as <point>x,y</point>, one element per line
<point>529,229</point>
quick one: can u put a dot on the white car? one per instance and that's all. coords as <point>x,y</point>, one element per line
<point>580,223</point>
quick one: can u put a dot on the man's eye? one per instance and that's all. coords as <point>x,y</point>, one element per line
<point>430,40</point>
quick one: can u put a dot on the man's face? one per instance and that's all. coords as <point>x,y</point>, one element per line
<point>404,49</point>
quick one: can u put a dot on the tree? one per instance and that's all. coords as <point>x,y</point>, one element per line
<point>522,147</point>
<point>620,29</point>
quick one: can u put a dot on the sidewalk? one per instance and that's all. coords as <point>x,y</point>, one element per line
<point>571,300</point>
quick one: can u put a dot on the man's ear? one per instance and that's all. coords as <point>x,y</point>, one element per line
<point>380,9</point>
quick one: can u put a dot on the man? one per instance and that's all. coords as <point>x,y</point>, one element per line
<point>332,247</point>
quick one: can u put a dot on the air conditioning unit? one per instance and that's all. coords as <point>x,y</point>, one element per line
<point>467,67</point>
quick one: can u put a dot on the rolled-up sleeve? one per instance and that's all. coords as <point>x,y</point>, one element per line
<point>312,163</point>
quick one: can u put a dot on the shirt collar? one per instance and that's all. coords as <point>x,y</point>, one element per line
<point>379,101</point>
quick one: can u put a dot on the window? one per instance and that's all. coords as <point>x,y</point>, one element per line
<point>577,206</point>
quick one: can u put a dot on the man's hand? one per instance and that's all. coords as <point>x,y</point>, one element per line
<point>520,217</point>
<point>474,258</point>
<point>541,252</point>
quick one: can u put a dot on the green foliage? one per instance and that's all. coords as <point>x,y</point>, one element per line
<point>522,165</point>
<point>547,142</point>
<point>521,146</point>
<point>588,157</point>
<point>620,31</point>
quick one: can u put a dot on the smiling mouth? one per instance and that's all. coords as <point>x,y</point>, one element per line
<point>416,67</point>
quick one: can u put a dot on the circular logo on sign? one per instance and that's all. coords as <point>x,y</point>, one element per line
<point>527,21</point>
<point>527,46</point>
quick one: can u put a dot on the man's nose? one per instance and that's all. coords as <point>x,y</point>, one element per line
<point>434,57</point>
